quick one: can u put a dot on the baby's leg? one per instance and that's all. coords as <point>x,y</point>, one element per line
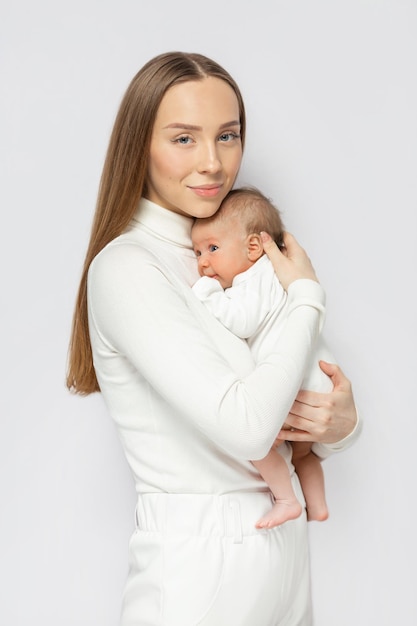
<point>310,472</point>
<point>274,471</point>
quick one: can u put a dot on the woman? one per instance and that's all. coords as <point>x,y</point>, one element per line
<point>190,405</point>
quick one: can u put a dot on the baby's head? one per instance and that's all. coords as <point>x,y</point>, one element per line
<point>255,212</point>
<point>229,242</point>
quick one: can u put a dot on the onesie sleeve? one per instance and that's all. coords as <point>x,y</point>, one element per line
<point>240,308</point>
<point>138,311</point>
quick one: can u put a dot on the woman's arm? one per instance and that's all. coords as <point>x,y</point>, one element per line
<point>143,319</point>
<point>330,419</point>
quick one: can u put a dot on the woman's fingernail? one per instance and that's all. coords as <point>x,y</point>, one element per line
<point>264,236</point>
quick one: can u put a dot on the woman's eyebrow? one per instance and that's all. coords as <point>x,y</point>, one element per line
<point>184,126</point>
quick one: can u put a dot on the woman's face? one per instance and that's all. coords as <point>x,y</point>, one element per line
<point>195,151</point>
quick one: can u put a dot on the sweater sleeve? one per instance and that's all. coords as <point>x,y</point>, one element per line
<point>138,311</point>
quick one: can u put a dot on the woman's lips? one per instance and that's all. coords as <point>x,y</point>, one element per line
<point>206,191</point>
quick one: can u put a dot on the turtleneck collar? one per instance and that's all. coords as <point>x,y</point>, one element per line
<point>163,224</point>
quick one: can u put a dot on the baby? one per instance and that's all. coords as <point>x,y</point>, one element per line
<point>239,286</point>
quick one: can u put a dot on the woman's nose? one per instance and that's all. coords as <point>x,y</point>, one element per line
<point>209,159</point>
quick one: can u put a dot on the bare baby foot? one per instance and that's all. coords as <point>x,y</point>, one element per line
<point>282,511</point>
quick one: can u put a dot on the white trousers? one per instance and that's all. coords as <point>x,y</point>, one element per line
<point>199,560</point>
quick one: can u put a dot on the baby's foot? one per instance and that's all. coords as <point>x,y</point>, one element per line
<point>317,513</point>
<point>282,511</point>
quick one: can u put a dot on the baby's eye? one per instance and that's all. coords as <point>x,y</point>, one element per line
<point>197,252</point>
<point>213,248</point>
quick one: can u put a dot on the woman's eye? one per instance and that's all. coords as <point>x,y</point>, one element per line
<point>183,140</point>
<point>228,136</point>
<point>213,248</point>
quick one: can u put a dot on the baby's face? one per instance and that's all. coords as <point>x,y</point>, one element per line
<point>221,250</point>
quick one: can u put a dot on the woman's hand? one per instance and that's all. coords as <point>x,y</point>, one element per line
<point>322,417</point>
<point>291,264</point>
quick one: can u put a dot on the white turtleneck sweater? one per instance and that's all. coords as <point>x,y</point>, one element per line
<point>190,406</point>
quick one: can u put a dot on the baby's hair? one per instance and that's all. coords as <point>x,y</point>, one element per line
<point>255,211</point>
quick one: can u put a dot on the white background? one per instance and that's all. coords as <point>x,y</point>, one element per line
<point>331,96</point>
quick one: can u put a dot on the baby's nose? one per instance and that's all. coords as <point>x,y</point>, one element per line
<point>202,264</point>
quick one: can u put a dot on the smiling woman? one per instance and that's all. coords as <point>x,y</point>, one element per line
<point>190,404</point>
<point>194,163</point>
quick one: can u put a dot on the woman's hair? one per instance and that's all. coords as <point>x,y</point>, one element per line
<point>254,211</point>
<point>123,181</point>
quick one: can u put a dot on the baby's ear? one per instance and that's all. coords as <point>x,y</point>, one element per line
<point>255,247</point>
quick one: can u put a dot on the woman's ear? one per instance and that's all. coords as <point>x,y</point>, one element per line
<point>254,246</point>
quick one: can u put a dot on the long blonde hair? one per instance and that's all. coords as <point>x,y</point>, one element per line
<point>123,180</point>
